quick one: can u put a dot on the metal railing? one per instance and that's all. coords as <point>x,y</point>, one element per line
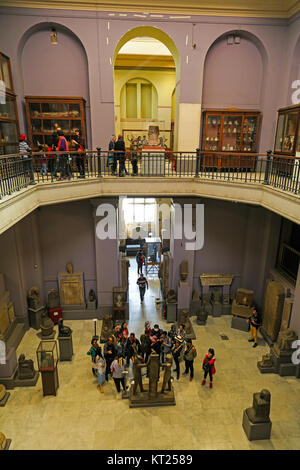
<point>21,170</point>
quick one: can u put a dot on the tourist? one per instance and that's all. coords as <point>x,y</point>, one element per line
<point>78,143</point>
<point>112,158</point>
<point>172,333</point>
<point>109,354</point>
<point>181,331</point>
<point>121,347</point>
<point>155,345</point>
<point>189,356</point>
<point>209,366</point>
<point>124,330</point>
<point>148,327</point>
<point>93,351</point>
<point>166,345</point>
<point>116,335</point>
<point>134,156</point>
<point>142,283</point>
<point>177,351</point>
<point>156,331</point>
<point>140,260</point>
<point>100,368</point>
<point>62,146</point>
<point>43,160</point>
<point>145,344</point>
<point>132,347</point>
<point>121,154</point>
<point>255,323</point>
<point>27,159</point>
<point>117,369</point>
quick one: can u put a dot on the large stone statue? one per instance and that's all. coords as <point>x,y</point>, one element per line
<point>167,366</point>
<point>71,287</point>
<point>283,345</point>
<point>260,411</point>
<point>63,330</point>
<point>25,368</point>
<point>33,298</point>
<point>107,327</point>
<point>273,308</point>
<point>53,298</point>
<point>184,270</point>
<point>46,325</point>
<point>185,320</point>
<point>137,373</point>
<point>171,298</point>
<point>153,134</point>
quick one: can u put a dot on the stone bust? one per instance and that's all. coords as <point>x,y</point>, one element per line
<point>171,298</point>
<point>259,413</point>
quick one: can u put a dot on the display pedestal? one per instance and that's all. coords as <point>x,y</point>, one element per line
<point>256,431</point>
<point>171,312</point>
<point>35,317</point>
<point>65,348</point>
<point>50,381</point>
<point>91,304</point>
<point>239,323</point>
<point>184,292</point>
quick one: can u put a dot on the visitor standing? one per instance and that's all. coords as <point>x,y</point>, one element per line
<point>100,368</point>
<point>176,351</point>
<point>93,351</point>
<point>120,153</point>
<point>27,159</point>
<point>208,366</point>
<point>62,146</point>
<point>112,158</point>
<point>166,345</point>
<point>189,356</point>
<point>78,143</point>
<point>134,155</point>
<point>142,283</point>
<point>109,354</point>
<point>145,345</point>
<point>255,323</point>
<point>117,369</point>
<point>140,260</point>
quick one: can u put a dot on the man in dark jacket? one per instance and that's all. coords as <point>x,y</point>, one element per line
<point>120,154</point>
<point>78,144</point>
<point>145,345</point>
<point>142,283</point>
<point>132,347</point>
<point>189,355</point>
<point>111,159</point>
<point>255,323</point>
<point>109,354</point>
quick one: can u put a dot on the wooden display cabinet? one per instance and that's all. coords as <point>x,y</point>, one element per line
<point>287,139</point>
<point>9,122</point>
<point>43,112</point>
<point>231,132</point>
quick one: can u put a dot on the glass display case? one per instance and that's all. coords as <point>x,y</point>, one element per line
<point>152,248</point>
<point>9,124</point>
<point>234,131</point>
<point>44,114</point>
<point>287,139</point>
<point>47,357</point>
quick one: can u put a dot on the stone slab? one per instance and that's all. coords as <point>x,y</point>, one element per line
<point>256,431</point>
<point>171,312</point>
<point>286,370</point>
<point>65,348</point>
<point>4,399</point>
<point>239,323</point>
<point>141,399</point>
<point>26,382</point>
<point>241,310</point>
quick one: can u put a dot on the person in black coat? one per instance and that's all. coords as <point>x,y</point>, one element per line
<point>132,347</point>
<point>120,154</point>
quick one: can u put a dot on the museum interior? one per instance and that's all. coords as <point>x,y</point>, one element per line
<point>200,101</point>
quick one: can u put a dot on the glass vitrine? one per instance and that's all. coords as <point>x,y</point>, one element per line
<point>213,129</point>
<point>287,140</point>
<point>9,124</point>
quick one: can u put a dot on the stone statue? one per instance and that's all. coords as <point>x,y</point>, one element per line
<point>2,441</point>
<point>195,296</point>
<point>244,297</point>
<point>92,295</point>
<point>259,413</point>
<point>53,298</point>
<point>107,327</point>
<point>63,330</point>
<point>184,319</point>
<point>184,270</point>
<point>167,366</point>
<point>71,287</point>
<point>69,267</point>
<point>153,134</point>
<point>216,297</point>
<point>171,298</point>
<point>283,345</point>
<point>266,362</point>
<point>26,368</point>
<point>202,314</point>
<point>33,298</point>
<point>46,324</point>
<point>137,373</point>
<point>153,366</point>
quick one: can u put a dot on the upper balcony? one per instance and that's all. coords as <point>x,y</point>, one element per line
<point>32,180</point>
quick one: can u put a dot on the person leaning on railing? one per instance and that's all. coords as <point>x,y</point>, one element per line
<point>121,155</point>
<point>24,149</point>
<point>65,169</point>
<point>78,143</point>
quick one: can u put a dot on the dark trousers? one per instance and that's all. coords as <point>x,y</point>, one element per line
<point>114,165</point>
<point>210,374</point>
<point>142,292</point>
<point>108,364</point>
<point>177,369</point>
<point>80,165</point>
<point>134,167</point>
<point>52,166</point>
<point>140,268</point>
<point>122,167</point>
<point>189,366</point>
<point>28,168</point>
<point>118,382</point>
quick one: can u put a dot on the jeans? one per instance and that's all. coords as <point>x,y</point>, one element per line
<point>101,377</point>
<point>142,292</point>
<point>134,167</point>
<point>176,360</point>
<point>140,268</point>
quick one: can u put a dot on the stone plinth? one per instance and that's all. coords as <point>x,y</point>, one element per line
<point>239,323</point>
<point>256,431</point>
<point>172,312</point>
<point>65,348</point>
<point>35,316</point>
<point>184,295</point>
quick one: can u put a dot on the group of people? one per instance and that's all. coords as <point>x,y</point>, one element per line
<point>121,348</point>
<point>117,153</point>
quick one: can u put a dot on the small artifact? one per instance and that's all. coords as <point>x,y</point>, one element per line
<point>47,360</point>
<point>184,270</point>
<point>260,411</point>
<point>119,302</point>
<point>33,298</point>
<point>171,298</point>
<point>69,267</point>
<point>167,366</point>
<point>63,330</point>
<point>283,345</point>
<point>26,368</point>
<point>46,324</point>
<point>137,373</point>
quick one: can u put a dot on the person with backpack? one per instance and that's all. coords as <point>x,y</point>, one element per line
<point>208,366</point>
<point>189,355</point>
<point>94,350</point>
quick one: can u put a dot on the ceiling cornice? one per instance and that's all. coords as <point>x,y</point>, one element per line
<point>251,8</point>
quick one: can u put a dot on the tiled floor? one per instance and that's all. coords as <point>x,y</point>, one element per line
<point>79,417</point>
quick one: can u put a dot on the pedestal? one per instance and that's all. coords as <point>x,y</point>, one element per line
<point>184,292</point>
<point>52,336</point>
<point>65,348</point>
<point>171,312</point>
<point>35,317</point>
<point>256,431</point>
<point>50,381</point>
<point>287,370</point>
<point>239,323</point>
<point>8,370</point>
<point>91,304</point>
<point>142,399</point>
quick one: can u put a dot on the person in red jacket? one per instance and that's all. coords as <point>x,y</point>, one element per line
<point>64,158</point>
<point>209,366</point>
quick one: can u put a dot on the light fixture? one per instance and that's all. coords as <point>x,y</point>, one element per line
<point>53,37</point>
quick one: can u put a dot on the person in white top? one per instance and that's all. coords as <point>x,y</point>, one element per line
<point>100,365</point>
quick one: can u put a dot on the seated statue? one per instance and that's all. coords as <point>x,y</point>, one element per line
<point>283,345</point>
<point>33,298</point>
<point>171,297</point>
<point>92,295</point>
<point>46,324</point>
<point>107,327</point>
<point>26,368</point>
<point>185,320</point>
<point>259,413</point>
<point>63,330</point>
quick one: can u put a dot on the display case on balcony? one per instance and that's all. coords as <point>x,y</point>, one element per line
<point>9,123</point>
<point>287,139</point>
<point>44,114</point>
<point>231,132</point>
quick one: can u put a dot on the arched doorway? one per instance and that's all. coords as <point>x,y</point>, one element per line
<point>146,71</point>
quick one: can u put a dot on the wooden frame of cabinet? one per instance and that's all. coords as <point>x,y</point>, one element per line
<point>226,134</point>
<point>287,137</point>
<point>69,114</point>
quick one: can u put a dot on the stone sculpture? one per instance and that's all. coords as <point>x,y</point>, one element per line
<point>167,366</point>
<point>171,298</point>
<point>25,368</point>
<point>279,360</point>
<point>107,327</point>
<point>63,330</point>
<point>202,314</point>
<point>53,298</point>
<point>273,308</point>
<point>153,366</point>
<point>33,298</point>
<point>137,374</point>
<point>119,301</point>
<point>2,441</point>
<point>260,410</point>
<point>195,296</point>
<point>71,287</point>
<point>185,320</point>
<point>46,325</point>
<point>285,340</point>
<point>184,270</point>
<point>92,296</point>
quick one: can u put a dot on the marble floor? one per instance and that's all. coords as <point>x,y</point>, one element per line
<point>79,417</point>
